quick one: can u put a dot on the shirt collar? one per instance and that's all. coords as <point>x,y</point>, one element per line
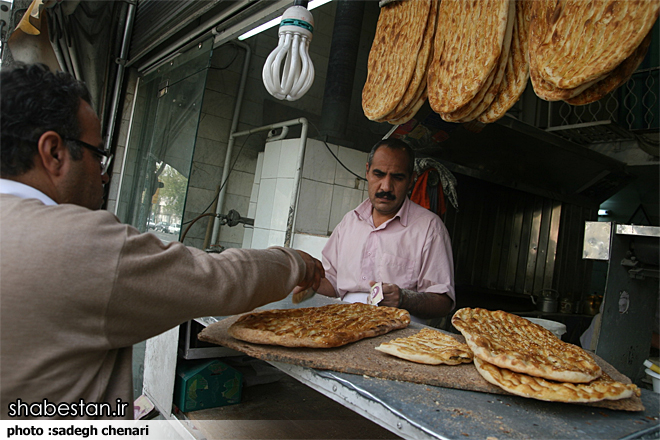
<point>364,211</point>
<point>24,191</point>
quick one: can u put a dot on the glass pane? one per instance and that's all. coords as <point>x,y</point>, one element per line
<point>161,144</point>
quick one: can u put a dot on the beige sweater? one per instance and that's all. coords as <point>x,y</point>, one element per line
<point>79,288</point>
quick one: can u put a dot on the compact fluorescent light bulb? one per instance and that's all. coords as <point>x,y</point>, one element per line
<point>288,71</point>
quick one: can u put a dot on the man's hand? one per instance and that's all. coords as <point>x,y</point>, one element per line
<point>313,274</point>
<point>391,294</point>
<point>423,305</point>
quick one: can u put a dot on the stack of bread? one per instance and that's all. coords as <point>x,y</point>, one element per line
<point>479,55</point>
<point>471,50</point>
<point>580,51</point>
<point>525,359</point>
<point>395,88</point>
<point>516,74</point>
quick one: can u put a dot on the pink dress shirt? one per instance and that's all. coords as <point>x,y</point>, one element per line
<point>411,250</point>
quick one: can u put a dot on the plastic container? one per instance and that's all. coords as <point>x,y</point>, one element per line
<point>656,380</point>
<point>557,328</point>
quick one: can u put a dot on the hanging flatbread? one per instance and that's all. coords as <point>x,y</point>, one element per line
<point>487,95</point>
<point>412,111</point>
<point>603,388</point>
<point>468,44</point>
<point>514,343</point>
<point>617,77</point>
<point>516,74</point>
<point>542,16</point>
<point>393,56</point>
<point>417,84</point>
<point>585,40</point>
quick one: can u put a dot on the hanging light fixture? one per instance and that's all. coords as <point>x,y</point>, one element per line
<point>288,71</point>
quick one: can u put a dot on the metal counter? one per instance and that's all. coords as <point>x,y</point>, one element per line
<point>417,411</point>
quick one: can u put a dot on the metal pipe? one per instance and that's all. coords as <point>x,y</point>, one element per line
<point>131,118</point>
<point>297,177</point>
<point>288,236</point>
<point>230,144</point>
<point>209,224</point>
<point>121,61</point>
<point>274,126</point>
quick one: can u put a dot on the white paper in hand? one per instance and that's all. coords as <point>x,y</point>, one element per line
<point>376,294</point>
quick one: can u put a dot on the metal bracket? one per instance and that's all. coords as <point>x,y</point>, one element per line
<point>624,301</point>
<point>163,88</point>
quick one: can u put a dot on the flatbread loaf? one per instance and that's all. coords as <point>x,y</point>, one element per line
<point>417,87</point>
<point>467,47</point>
<point>542,18</point>
<point>412,111</point>
<point>596,36</point>
<point>428,346</point>
<point>485,96</point>
<point>615,78</point>
<point>327,326</point>
<point>517,344</point>
<point>516,74</point>
<point>603,388</point>
<point>393,56</point>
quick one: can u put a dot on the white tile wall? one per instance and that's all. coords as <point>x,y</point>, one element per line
<point>319,165</point>
<point>260,238</point>
<point>281,204</point>
<point>288,158</point>
<point>247,238</point>
<point>343,200</point>
<point>264,212</point>
<point>252,210</point>
<point>232,234</point>
<point>240,183</point>
<point>354,160</point>
<point>327,193</point>
<point>312,244</point>
<point>271,161</point>
<point>260,167</point>
<point>314,205</point>
<point>275,238</point>
<point>254,194</point>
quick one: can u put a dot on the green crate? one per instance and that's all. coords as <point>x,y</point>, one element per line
<point>203,384</point>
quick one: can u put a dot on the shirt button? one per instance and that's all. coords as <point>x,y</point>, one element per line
<point>368,253</point>
<point>364,278</point>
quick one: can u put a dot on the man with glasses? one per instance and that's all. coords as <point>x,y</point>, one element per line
<point>77,288</point>
<point>101,153</point>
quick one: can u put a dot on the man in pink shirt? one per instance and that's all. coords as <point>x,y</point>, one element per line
<point>390,239</point>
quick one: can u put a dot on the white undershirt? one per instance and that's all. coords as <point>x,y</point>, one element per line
<point>24,191</point>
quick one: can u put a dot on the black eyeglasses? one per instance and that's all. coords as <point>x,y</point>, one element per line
<point>103,155</point>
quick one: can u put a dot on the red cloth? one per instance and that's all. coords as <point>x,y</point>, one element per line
<point>420,193</point>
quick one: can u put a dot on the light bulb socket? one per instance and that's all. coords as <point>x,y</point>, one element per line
<point>297,20</point>
<point>302,3</point>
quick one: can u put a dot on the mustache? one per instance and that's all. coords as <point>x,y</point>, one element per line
<point>385,195</point>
